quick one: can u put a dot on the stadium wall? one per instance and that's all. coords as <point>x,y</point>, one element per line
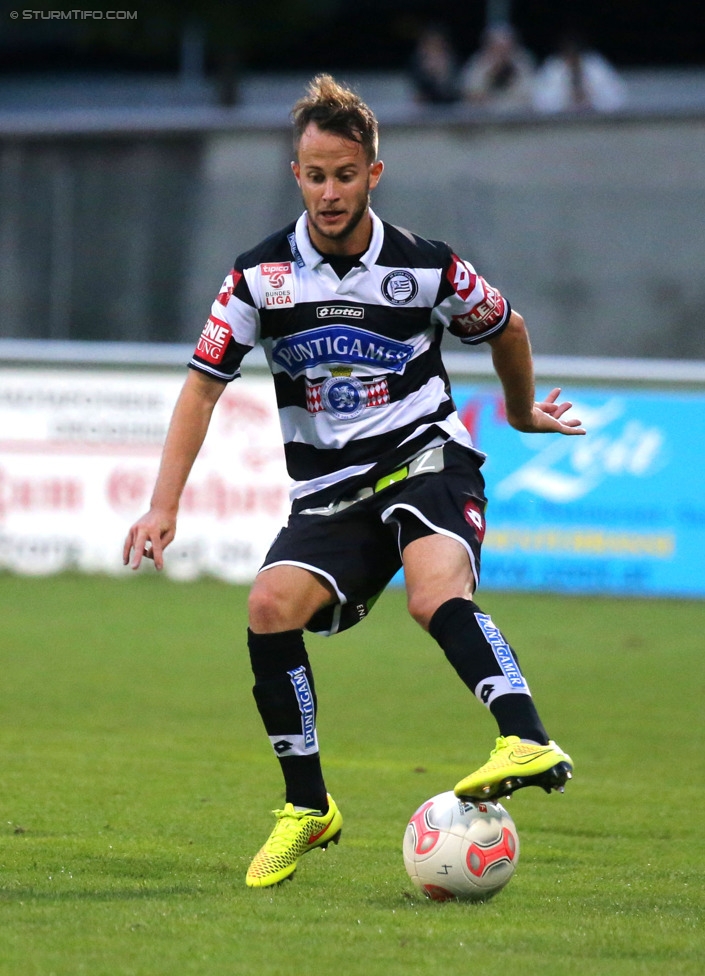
<point>121,227</point>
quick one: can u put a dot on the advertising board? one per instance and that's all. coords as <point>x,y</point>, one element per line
<point>620,511</point>
<point>79,452</point>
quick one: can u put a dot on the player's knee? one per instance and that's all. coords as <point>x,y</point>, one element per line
<point>268,612</point>
<point>421,608</point>
<point>423,605</point>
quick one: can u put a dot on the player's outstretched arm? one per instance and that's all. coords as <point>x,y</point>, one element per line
<point>152,533</point>
<point>513,363</point>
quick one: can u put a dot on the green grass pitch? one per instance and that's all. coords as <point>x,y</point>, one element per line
<point>136,783</point>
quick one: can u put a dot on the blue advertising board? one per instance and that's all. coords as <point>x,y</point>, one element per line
<point>620,510</point>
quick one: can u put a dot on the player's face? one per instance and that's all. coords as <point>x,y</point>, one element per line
<point>336,178</point>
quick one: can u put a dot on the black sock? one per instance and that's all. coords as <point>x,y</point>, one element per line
<point>487,664</point>
<point>286,699</point>
<point>304,782</point>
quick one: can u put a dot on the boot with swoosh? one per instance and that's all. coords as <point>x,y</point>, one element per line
<point>513,764</point>
<point>295,833</point>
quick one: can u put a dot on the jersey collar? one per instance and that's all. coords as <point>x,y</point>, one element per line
<point>312,258</point>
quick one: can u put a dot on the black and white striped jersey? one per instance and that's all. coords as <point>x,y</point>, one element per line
<point>359,379</point>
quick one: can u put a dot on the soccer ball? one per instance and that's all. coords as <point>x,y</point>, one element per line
<point>455,849</point>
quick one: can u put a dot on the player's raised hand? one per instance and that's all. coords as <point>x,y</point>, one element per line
<point>547,416</point>
<point>148,538</point>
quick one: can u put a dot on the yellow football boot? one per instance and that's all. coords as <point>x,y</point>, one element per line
<point>514,763</point>
<point>295,833</point>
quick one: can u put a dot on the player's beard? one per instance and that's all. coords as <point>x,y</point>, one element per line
<point>349,227</point>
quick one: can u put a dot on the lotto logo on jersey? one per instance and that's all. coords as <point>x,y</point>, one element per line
<point>462,277</point>
<point>228,287</point>
<point>214,340</point>
<point>278,282</point>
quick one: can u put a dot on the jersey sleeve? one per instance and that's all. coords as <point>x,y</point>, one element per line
<point>231,330</point>
<point>467,305</point>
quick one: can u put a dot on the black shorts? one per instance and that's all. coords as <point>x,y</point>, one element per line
<point>358,547</point>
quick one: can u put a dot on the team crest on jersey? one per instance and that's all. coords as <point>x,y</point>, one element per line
<point>345,397</point>
<point>400,287</point>
<point>335,397</point>
<point>278,284</point>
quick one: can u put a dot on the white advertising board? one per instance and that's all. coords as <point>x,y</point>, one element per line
<point>79,452</point>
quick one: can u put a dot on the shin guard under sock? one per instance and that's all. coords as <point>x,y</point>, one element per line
<point>286,699</point>
<point>487,664</point>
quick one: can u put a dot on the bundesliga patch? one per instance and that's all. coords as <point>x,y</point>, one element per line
<point>278,284</point>
<point>214,340</point>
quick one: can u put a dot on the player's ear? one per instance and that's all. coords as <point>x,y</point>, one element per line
<point>296,170</point>
<point>375,173</point>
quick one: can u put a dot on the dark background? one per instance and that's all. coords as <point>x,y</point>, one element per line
<point>295,35</point>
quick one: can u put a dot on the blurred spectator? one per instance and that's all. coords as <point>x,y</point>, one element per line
<point>576,78</point>
<point>435,70</point>
<point>500,74</point>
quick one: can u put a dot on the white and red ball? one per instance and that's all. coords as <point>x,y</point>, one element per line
<point>455,849</point>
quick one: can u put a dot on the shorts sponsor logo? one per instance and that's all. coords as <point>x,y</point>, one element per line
<point>400,287</point>
<point>213,340</point>
<point>475,517</point>
<point>339,344</point>
<point>502,651</point>
<point>307,708</point>
<point>340,312</point>
<point>278,284</point>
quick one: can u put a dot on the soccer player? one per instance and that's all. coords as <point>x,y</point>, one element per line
<point>350,311</point>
